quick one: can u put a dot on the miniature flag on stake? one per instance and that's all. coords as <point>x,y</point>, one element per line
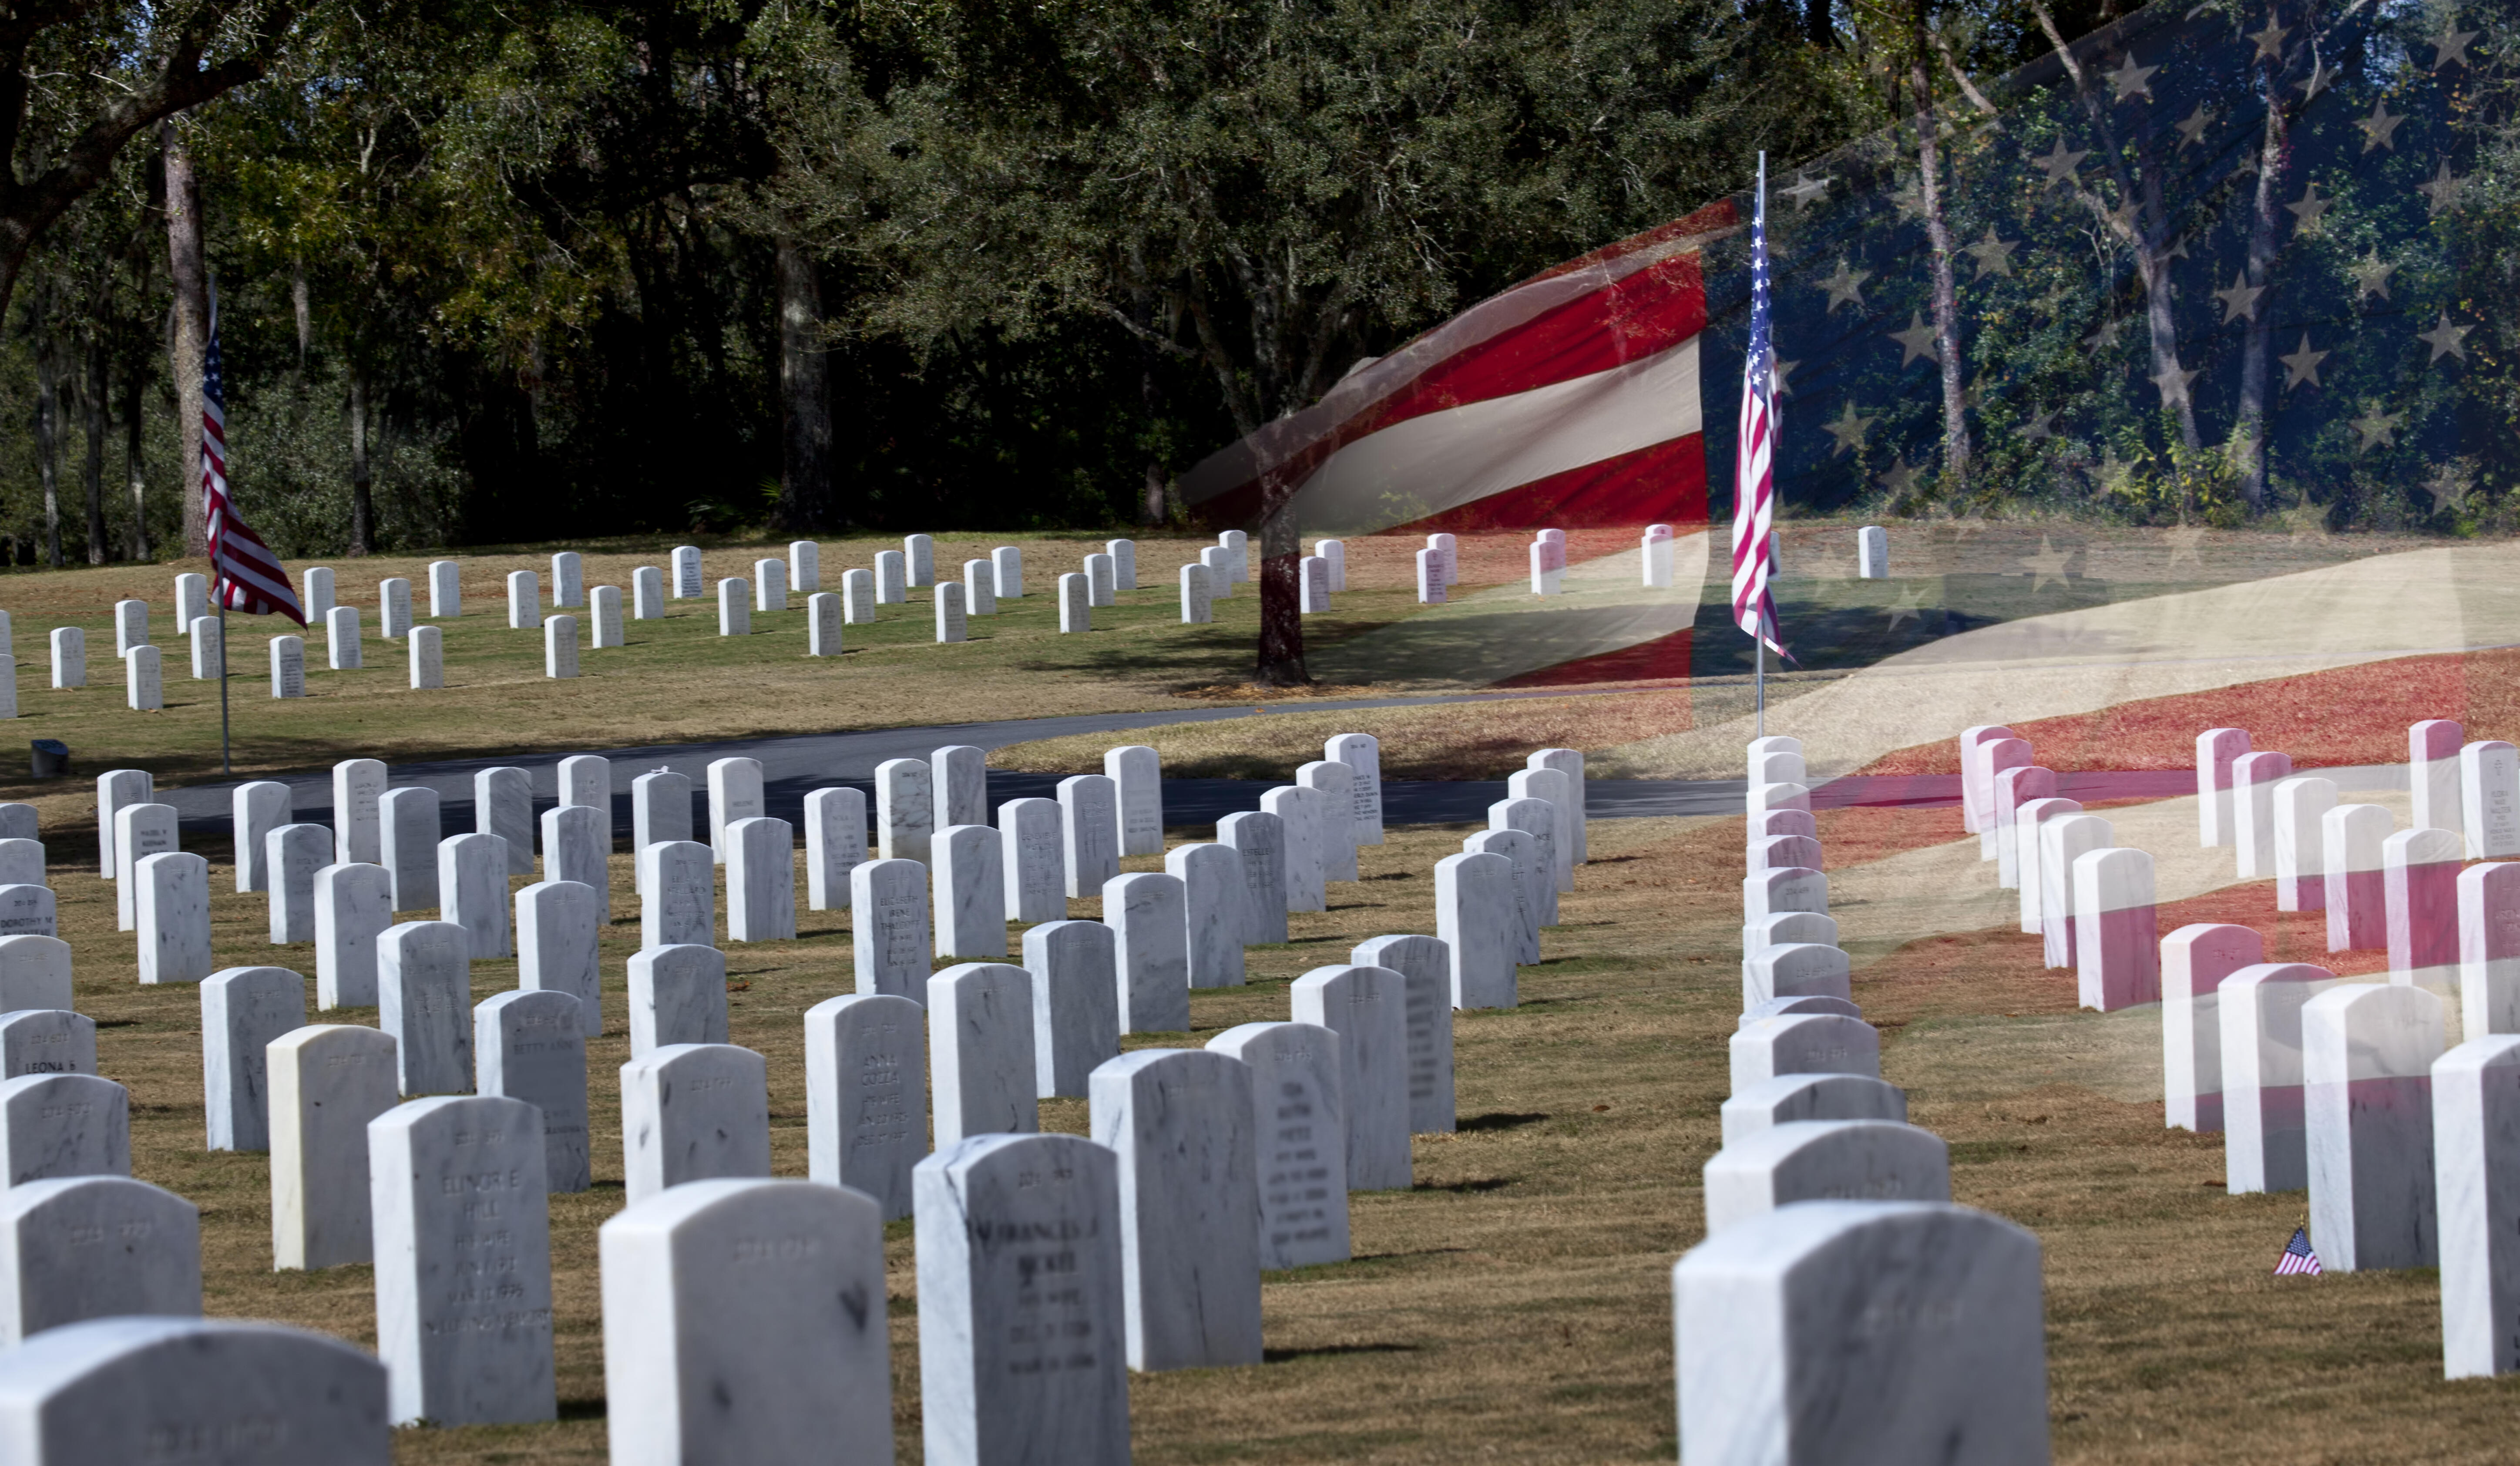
<point>2297,1255</point>
<point>246,575</point>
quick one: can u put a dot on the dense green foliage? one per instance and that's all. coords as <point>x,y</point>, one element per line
<point>1052,252</point>
<point>1060,250</point>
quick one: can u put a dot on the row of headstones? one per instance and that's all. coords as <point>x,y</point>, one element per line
<point>1334,999</point>
<point>2344,1087</point>
<point>864,590</point>
<point>1002,575</point>
<point>743,1318</point>
<point>2091,902</point>
<point>1841,1307</point>
<point>2380,890</point>
<point>1349,996</point>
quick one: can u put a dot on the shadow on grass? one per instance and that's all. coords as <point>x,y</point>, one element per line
<point>1469,1188</point>
<point>584,1410</point>
<point>1333,1351</point>
<point>1498,1119</point>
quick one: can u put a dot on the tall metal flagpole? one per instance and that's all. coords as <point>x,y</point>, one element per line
<point>225,767</point>
<point>1759,641</point>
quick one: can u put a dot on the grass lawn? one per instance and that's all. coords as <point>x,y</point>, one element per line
<point>1512,1305</point>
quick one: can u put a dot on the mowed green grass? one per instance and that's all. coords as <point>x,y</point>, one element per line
<point>677,679</point>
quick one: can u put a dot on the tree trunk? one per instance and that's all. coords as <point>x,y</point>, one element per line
<point>363,507</point>
<point>1938,233</point>
<point>92,402</point>
<point>135,384</point>
<point>2138,224</point>
<point>298,298</point>
<point>1151,394</point>
<point>190,279</point>
<point>1281,606</point>
<point>2249,434</point>
<point>1819,27</point>
<point>804,392</point>
<point>48,433</point>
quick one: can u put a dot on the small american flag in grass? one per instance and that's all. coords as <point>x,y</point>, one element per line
<point>2297,1255</point>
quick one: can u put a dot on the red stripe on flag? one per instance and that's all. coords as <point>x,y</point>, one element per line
<point>1661,484</point>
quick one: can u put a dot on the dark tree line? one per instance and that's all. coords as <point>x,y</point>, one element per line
<point>489,273</point>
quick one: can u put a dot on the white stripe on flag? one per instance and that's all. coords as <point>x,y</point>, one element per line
<point>1429,464</point>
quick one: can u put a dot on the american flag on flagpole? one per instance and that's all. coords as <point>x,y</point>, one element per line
<point>1754,475</point>
<point>2297,1255</point>
<point>245,575</point>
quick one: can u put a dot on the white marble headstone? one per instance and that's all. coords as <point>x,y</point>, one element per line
<point>1075,1003</point>
<point>302,1398</point>
<point>1811,1096</point>
<point>2476,1184</point>
<point>824,618</point>
<point>1032,859</point>
<point>677,894</point>
<point>242,1010</point>
<point>62,1124</point>
<point>2367,1057</point>
<point>1214,889</point>
<point>1260,837</point>
<point>472,892</point>
<point>410,828</point>
<point>1009,1370</point>
<point>677,996</point>
<point>745,1320</point>
<point>357,786</point>
<point>173,917</point>
<point>905,809</point>
<point>457,1189</point>
<point>971,892</point>
<point>694,1111</point>
<point>888,928</point>
<point>760,880</point>
<point>1149,917</point>
<point>1804,1043</point>
<point>1181,1121</point>
<point>957,786</point>
<point>1477,916</point>
<point>425,1002</point>
<point>866,1095</point>
<point>1367,1007</point>
<point>1823,1160</point>
<point>557,948</point>
<point>1425,967</point>
<point>1876,1331</point>
<point>48,1040</point>
<point>980,1051</point>
<point>353,906</point>
<point>1301,1152</point>
<point>327,1082</point>
<point>95,1246</point>
<point>528,1049</point>
<point>1089,821</point>
<point>660,808</point>
<point>835,843</point>
<point>577,846</point>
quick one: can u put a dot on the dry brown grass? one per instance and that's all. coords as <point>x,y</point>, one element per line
<point>1486,740</point>
<point>1514,1306</point>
